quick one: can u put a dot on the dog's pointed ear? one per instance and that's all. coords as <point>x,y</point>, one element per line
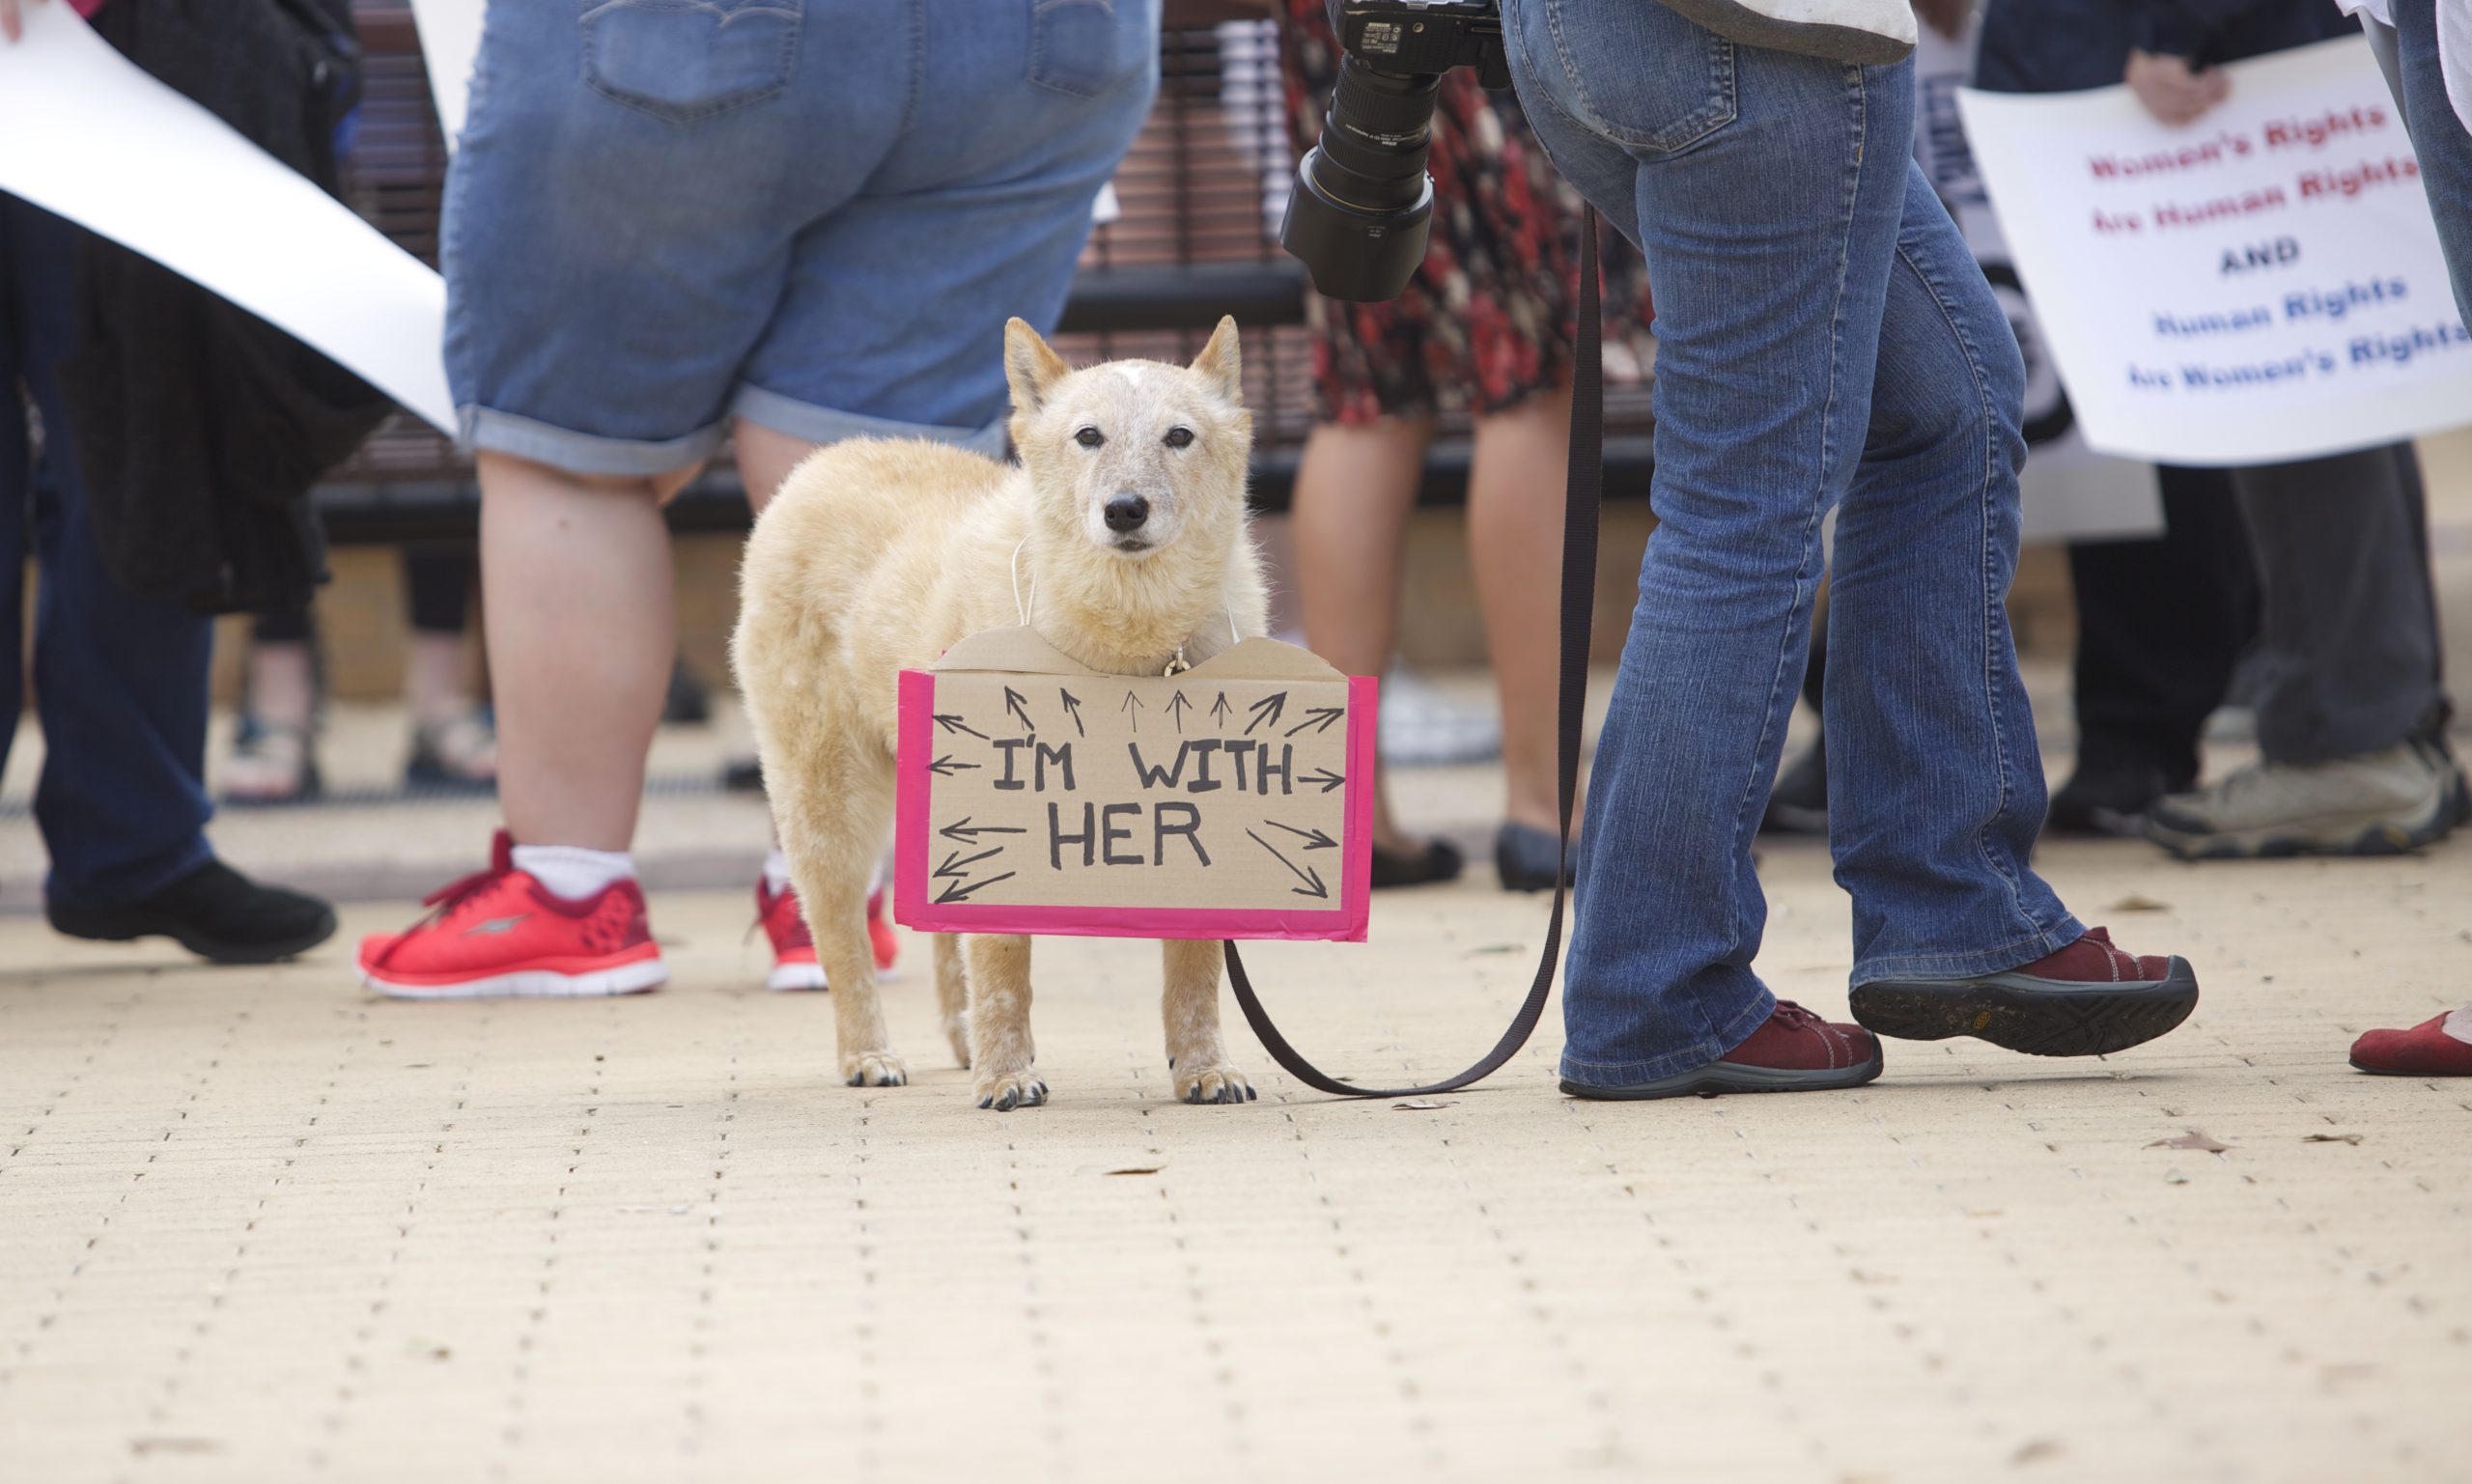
<point>1221,364</point>
<point>1030,365</point>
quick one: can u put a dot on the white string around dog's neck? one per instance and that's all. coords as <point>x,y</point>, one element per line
<point>1022,610</point>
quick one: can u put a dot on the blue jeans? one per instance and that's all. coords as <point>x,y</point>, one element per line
<point>1825,341</point>
<point>2439,136</point>
<point>121,677</point>
<point>815,215</point>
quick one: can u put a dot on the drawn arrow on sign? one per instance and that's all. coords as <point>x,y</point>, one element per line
<point>967,833</point>
<point>1319,719</point>
<point>948,767</point>
<point>954,862</point>
<point>1133,703</point>
<point>1267,708</point>
<point>954,724</point>
<point>1311,878</point>
<point>1220,707</point>
<point>1325,777</point>
<point>1314,839</point>
<point>957,891</point>
<point>1018,705</point>
<point>1177,709</point>
<point>1073,709</point>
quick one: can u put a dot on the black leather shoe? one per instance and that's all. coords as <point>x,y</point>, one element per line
<point>214,912</point>
<point>1439,861</point>
<point>1530,859</point>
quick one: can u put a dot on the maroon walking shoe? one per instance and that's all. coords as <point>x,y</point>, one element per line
<point>1794,1051</point>
<point>2439,1046</point>
<point>2091,998</point>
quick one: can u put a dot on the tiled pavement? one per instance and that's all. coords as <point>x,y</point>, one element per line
<point>256,1226</point>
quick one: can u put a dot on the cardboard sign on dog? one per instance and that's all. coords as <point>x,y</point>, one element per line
<point>1233,800</point>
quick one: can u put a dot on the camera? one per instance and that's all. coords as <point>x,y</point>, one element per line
<point>1363,203</point>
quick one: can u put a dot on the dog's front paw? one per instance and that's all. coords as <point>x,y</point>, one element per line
<point>1214,1084</point>
<point>1006,1091</point>
<point>874,1069</point>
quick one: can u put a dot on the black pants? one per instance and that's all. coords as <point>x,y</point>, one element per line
<point>438,591</point>
<point>2319,568</point>
<point>2162,621</point>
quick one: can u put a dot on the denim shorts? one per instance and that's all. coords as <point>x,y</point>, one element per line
<point>816,214</point>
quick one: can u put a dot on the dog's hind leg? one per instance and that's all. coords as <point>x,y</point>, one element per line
<point>952,994</point>
<point>1001,1055</point>
<point>833,808</point>
<point>1191,1008</point>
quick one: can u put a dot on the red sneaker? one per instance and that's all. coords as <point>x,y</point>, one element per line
<point>1793,1050</point>
<point>794,962</point>
<point>499,931</point>
<point>2091,998</point>
<point>2439,1046</point>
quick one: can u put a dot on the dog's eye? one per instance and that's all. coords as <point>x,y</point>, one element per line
<point>1089,438</point>
<point>1180,438</point>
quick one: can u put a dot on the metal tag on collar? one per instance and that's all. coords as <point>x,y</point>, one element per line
<point>1177,665</point>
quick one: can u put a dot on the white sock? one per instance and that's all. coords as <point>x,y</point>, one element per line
<point>776,872</point>
<point>570,871</point>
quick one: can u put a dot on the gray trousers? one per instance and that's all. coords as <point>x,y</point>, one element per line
<point>2346,658</point>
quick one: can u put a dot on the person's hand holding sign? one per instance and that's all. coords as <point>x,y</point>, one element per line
<point>2172,90</point>
<point>11,26</point>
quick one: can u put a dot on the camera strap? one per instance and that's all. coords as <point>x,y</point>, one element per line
<point>1583,495</point>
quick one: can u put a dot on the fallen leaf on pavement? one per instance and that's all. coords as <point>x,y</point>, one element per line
<point>1420,1105</point>
<point>2192,1139</point>
<point>2331,1138</point>
<point>2140,902</point>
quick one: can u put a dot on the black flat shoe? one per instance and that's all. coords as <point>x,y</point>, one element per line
<point>1439,861</point>
<point>1530,859</point>
<point>214,912</point>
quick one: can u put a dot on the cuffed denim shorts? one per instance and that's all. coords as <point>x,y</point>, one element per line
<point>816,214</point>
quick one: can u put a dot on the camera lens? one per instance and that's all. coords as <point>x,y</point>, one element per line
<point>1363,202</point>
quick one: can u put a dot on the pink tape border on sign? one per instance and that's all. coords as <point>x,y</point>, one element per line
<point>914,906</point>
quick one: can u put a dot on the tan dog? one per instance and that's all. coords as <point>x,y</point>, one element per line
<point>1126,524</point>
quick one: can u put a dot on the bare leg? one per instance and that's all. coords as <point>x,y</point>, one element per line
<point>581,629</point>
<point>283,686</point>
<point>434,677</point>
<point>1355,487</point>
<point>1191,1008</point>
<point>765,459</point>
<point>283,696</point>
<point>1515,544</point>
<point>1001,1053</point>
<point>952,994</point>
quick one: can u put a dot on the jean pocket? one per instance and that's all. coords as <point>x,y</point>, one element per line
<point>683,60</point>
<point>1641,76</point>
<point>1089,48</point>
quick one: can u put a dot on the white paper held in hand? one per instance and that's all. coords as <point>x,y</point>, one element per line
<point>91,138</point>
<point>2264,285</point>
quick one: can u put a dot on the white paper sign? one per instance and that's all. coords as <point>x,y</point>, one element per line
<point>2067,492</point>
<point>2262,285</point>
<point>91,138</point>
<point>450,31</point>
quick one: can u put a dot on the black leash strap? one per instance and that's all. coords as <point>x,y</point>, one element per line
<point>1585,492</point>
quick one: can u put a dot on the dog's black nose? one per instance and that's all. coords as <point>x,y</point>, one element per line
<point>1126,511</point>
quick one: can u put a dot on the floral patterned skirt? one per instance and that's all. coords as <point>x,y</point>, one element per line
<point>1486,322</point>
